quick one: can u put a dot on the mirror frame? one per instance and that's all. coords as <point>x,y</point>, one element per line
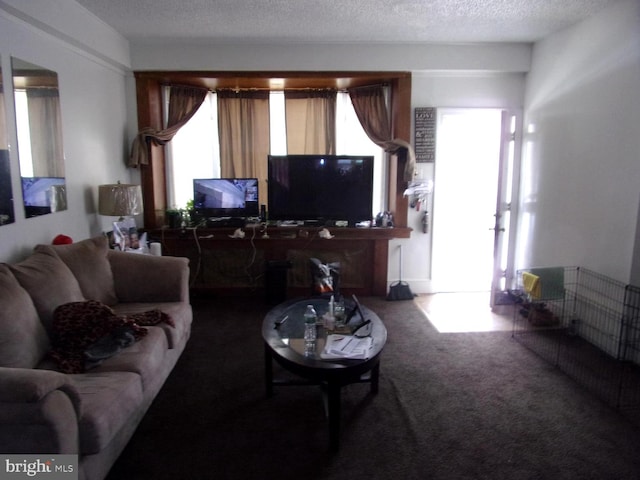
<point>40,141</point>
<point>7,212</point>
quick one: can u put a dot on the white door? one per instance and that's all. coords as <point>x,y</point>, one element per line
<point>468,205</point>
<point>505,214</point>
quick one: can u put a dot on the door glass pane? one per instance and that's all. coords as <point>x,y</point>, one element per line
<point>466,182</point>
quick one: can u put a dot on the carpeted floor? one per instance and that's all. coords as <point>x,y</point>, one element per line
<point>465,312</point>
<point>451,406</point>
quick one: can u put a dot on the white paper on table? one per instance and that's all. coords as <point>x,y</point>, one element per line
<point>346,346</point>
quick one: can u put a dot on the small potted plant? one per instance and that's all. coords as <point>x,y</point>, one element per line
<point>174,217</point>
<point>190,213</point>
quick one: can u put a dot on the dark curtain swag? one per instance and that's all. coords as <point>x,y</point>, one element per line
<point>183,104</point>
<point>370,106</point>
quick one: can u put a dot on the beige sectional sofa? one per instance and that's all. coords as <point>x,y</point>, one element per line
<point>95,412</point>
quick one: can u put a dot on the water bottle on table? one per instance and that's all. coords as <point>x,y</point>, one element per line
<point>310,320</point>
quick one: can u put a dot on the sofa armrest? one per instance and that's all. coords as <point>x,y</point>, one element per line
<point>148,278</point>
<point>27,385</point>
<point>39,412</point>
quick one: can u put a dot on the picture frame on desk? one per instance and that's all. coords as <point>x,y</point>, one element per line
<point>125,235</point>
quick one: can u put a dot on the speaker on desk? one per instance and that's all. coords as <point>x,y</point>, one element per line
<point>263,213</point>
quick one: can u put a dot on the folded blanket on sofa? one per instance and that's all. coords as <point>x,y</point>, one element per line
<point>87,333</point>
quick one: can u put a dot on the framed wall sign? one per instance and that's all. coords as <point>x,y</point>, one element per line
<point>425,134</point>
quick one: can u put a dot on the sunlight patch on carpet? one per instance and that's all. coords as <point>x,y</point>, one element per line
<point>464,312</point>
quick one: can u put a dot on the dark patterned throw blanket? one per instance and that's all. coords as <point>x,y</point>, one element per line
<point>87,333</point>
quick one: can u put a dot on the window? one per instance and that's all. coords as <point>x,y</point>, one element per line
<point>24,137</point>
<point>277,124</point>
<point>351,139</point>
<point>194,151</point>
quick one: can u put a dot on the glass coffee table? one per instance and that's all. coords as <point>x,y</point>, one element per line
<point>284,343</point>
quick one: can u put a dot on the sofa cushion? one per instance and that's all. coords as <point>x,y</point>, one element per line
<point>180,314</point>
<point>49,282</point>
<point>145,357</point>
<point>148,278</point>
<point>109,400</point>
<point>88,262</point>
<point>23,339</point>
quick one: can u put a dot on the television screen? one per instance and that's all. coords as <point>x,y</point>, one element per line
<point>226,197</point>
<point>320,188</point>
<point>43,195</point>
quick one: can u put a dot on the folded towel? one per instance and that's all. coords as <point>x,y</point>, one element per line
<point>531,284</point>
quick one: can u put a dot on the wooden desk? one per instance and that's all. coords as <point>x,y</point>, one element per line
<point>225,265</point>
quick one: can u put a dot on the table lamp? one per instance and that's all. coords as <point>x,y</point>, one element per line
<point>119,200</point>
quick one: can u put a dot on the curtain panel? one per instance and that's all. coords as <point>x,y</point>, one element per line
<point>311,121</point>
<point>184,101</point>
<point>370,106</point>
<point>45,125</point>
<point>244,134</point>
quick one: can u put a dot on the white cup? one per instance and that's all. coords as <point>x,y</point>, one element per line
<point>156,249</point>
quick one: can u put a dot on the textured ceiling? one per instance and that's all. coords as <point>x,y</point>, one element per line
<point>341,21</point>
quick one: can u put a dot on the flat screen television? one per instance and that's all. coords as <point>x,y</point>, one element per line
<point>320,188</point>
<point>43,195</point>
<point>226,197</point>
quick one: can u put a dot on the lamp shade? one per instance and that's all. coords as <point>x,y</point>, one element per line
<point>119,200</point>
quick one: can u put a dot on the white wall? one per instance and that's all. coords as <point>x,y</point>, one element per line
<point>332,57</point>
<point>581,162</point>
<point>78,28</point>
<point>93,94</point>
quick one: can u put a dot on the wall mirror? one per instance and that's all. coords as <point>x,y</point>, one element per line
<point>6,193</point>
<point>39,127</point>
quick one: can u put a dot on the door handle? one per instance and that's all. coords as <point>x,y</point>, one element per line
<point>498,229</point>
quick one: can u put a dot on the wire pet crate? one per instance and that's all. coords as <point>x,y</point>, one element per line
<point>588,327</point>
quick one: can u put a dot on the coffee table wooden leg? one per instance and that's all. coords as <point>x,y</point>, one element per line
<point>268,371</point>
<point>333,394</point>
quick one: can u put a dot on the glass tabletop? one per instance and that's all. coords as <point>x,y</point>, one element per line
<point>288,325</point>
